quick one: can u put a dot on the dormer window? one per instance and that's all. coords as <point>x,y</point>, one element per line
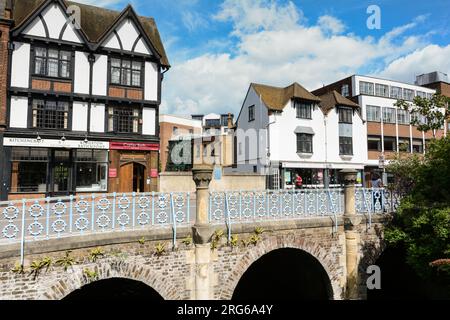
<point>52,63</point>
<point>303,110</point>
<point>126,72</point>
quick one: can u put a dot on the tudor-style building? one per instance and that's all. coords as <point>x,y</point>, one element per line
<point>83,94</point>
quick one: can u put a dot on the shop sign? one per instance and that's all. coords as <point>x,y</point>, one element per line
<point>53,143</point>
<point>113,173</point>
<point>138,146</point>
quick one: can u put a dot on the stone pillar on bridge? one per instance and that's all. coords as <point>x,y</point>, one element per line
<point>351,221</point>
<point>202,230</point>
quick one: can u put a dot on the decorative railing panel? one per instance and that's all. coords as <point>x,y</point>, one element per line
<point>41,219</point>
<point>376,201</point>
<point>248,206</point>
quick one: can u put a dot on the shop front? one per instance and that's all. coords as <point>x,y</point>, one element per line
<point>48,167</point>
<point>321,176</point>
<point>133,167</point>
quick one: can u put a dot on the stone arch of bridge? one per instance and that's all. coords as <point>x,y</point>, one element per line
<point>313,248</point>
<point>76,279</point>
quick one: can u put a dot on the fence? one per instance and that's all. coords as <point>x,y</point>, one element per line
<point>41,219</point>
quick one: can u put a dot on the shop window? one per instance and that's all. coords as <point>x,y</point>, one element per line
<point>91,170</point>
<point>124,120</point>
<point>50,114</point>
<point>29,170</point>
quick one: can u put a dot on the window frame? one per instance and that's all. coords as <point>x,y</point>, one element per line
<point>251,113</point>
<point>400,90</point>
<point>378,119</point>
<point>33,114</point>
<point>393,113</point>
<point>370,85</point>
<point>373,138</point>
<point>378,92</point>
<point>46,59</point>
<point>306,107</point>
<point>343,113</point>
<point>341,144</point>
<point>345,90</point>
<point>301,141</point>
<point>113,117</point>
<point>121,68</point>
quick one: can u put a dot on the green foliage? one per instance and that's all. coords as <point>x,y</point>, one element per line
<point>234,241</point>
<point>95,254</point>
<point>258,231</point>
<point>18,268</point>
<point>117,253</point>
<point>141,241</point>
<point>254,239</point>
<point>422,222</point>
<point>37,265</point>
<point>215,239</point>
<point>429,109</point>
<point>187,241</point>
<point>91,275</point>
<point>67,261</point>
<point>160,249</point>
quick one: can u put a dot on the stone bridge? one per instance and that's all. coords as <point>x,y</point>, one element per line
<point>316,256</point>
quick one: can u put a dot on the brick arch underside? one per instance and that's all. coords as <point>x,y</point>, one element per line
<point>59,289</point>
<point>320,254</point>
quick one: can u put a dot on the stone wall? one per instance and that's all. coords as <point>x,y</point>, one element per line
<point>182,182</point>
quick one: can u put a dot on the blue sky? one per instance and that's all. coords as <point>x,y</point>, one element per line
<point>217,48</point>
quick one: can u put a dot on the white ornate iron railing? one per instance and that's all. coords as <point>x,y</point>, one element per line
<point>41,219</point>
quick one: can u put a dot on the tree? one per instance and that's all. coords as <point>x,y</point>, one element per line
<point>427,114</point>
<point>422,223</point>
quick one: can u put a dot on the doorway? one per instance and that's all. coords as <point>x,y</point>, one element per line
<point>132,178</point>
<point>61,172</point>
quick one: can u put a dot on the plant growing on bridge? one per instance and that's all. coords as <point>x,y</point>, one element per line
<point>95,254</point>
<point>37,265</point>
<point>18,268</point>
<point>187,241</point>
<point>160,249</point>
<point>91,275</point>
<point>258,231</point>
<point>215,239</point>
<point>67,261</point>
<point>234,241</point>
<point>141,241</point>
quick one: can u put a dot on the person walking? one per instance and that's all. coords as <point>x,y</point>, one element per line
<point>298,181</point>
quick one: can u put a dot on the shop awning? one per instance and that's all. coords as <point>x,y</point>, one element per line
<point>307,130</point>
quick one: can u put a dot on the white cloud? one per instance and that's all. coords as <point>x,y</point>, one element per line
<point>428,59</point>
<point>275,46</point>
<point>193,21</point>
<point>331,24</point>
<point>101,3</point>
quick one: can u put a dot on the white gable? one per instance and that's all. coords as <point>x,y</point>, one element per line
<point>36,28</point>
<point>112,42</point>
<point>55,18</point>
<point>141,47</point>
<point>129,35</point>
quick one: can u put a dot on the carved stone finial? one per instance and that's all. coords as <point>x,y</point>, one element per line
<point>202,175</point>
<point>350,176</point>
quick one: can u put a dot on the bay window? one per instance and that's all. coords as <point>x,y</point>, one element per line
<point>345,115</point>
